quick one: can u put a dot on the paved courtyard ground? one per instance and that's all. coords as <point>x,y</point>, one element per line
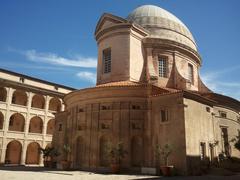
<point>38,173</point>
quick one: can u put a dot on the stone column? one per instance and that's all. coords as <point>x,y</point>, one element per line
<point>27,120</point>
<point>3,153</point>
<point>47,100</point>
<point>7,115</point>
<point>23,154</point>
<point>6,124</point>
<point>62,106</point>
<point>45,127</point>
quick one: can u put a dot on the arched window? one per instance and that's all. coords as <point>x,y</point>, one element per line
<point>36,125</point>
<point>33,155</point>
<point>50,126</point>
<point>19,97</point>
<point>1,120</point>
<point>16,122</point>
<point>13,152</point>
<point>136,151</point>
<point>103,155</point>
<point>3,94</point>
<point>55,104</point>
<point>38,101</point>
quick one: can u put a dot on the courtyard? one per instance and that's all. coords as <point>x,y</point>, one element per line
<point>39,173</point>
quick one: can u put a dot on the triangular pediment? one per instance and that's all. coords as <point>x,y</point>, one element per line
<point>108,20</point>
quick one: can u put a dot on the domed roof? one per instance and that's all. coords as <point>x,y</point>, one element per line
<point>162,24</point>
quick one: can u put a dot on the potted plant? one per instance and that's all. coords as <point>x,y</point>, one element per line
<point>66,164</point>
<point>46,155</point>
<point>164,153</point>
<point>54,153</point>
<point>116,153</point>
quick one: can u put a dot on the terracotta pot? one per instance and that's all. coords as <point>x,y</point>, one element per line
<point>115,168</point>
<point>66,165</point>
<point>47,163</point>
<point>166,170</point>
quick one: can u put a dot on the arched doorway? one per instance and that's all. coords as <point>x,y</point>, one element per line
<point>38,101</point>
<point>50,126</point>
<point>136,151</point>
<point>36,125</point>
<point>80,151</point>
<point>3,94</point>
<point>19,97</point>
<point>33,155</point>
<point>1,120</point>
<point>13,152</point>
<point>103,155</point>
<point>16,122</point>
<point>55,104</point>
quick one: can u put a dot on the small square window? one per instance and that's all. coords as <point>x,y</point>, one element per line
<point>80,110</point>
<point>208,109</point>
<point>105,107</point>
<point>135,107</point>
<point>223,114</point>
<point>21,79</point>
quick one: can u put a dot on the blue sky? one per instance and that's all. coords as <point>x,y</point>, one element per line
<point>54,40</point>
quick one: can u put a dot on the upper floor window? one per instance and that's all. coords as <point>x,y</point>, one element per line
<point>162,66</point>
<point>164,115</point>
<point>223,114</point>
<point>190,73</point>
<point>107,60</point>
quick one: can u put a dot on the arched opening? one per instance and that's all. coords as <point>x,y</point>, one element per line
<point>3,94</point>
<point>103,154</point>
<point>136,151</point>
<point>80,152</point>
<point>1,120</point>
<point>33,155</point>
<point>38,101</point>
<point>19,97</point>
<point>50,126</point>
<point>13,152</point>
<point>55,104</point>
<point>16,122</point>
<point>36,125</point>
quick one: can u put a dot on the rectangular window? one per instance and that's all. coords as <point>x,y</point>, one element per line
<point>225,142</point>
<point>164,116</point>
<point>190,73</point>
<point>162,67</point>
<point>60,127</point>
<point>202,150</point>
<point>107,60</point>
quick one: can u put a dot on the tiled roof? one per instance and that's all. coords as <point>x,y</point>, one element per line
<point>223,100</point>
<point>121,83</point>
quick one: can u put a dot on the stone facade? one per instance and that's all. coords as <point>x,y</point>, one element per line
<point>27,116</point>
<point>143,103</point>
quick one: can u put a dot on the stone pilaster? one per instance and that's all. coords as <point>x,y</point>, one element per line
<point>23,153</point>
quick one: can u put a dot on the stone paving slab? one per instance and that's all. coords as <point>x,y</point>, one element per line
<point>12,173</point>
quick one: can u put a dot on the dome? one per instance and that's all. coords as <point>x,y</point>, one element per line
<point>162,24</point>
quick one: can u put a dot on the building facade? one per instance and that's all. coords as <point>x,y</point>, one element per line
<point>27,116</point>
<point>148,93</point>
